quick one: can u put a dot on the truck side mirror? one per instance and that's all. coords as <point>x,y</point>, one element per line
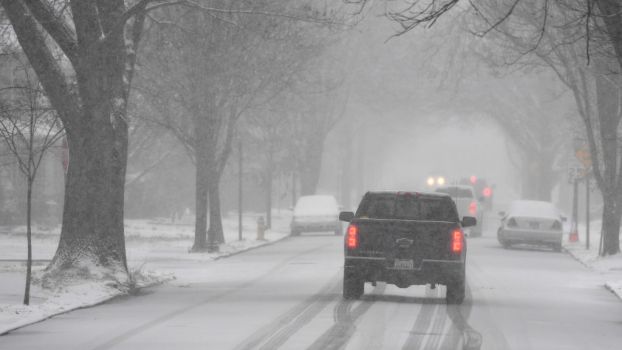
<point>469,221</point>
<point>346,216</point>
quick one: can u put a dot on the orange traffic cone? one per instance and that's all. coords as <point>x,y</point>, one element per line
<point>573,237</point>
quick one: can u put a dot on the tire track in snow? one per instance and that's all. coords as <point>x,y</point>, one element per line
<point>170,315</point>
<point>422,323</point>
<point>340,333</point>
<point>279,331</point>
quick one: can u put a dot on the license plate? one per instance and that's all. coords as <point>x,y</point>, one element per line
<point>403,264</point>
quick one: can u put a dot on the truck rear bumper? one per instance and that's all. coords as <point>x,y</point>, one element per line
<point>429,271</point>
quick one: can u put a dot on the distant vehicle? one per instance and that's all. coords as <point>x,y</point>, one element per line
<point>483,191</point>
<point>316,213</point>
<point>531,222</point>
<point>405,238</point>
<point>467,204</point>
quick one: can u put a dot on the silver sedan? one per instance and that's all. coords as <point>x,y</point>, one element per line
<point>531,222</point>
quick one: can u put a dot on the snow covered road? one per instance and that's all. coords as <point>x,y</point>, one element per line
<point>288,296</point>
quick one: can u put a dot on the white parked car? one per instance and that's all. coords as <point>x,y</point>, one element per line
<point>531,222</point>
<point>316,213</point>
<point>467,204</point>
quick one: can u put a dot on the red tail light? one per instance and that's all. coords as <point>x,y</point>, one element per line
<point>487,192</point>
<point>352,238</point>
<point>473,208</point>
<point>456,241</point>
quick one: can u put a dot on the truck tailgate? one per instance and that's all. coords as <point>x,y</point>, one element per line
<point>403,239</point>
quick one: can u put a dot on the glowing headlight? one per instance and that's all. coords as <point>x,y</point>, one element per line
<point>440,181</point>
<point>430,181</point>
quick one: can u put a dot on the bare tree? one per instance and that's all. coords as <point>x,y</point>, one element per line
<point>204,72</point>
<point>566,36</point>
<point>29,128</point>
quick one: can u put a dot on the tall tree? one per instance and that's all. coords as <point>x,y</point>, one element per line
<point>89,88</point>
<point>204,72</point>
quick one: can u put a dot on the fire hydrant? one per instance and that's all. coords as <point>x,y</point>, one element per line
<point>261,228</point>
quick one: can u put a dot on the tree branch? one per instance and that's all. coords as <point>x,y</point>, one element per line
<point>56,26</point>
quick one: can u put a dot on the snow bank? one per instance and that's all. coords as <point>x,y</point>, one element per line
<point>151,247</point>
<point>610,267</point>
<point>49,301</point>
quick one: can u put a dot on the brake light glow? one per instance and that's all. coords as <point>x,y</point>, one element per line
<point>352,238</point>
<point>473,208</point>
<point>456,241</point>
<point>487,192</point>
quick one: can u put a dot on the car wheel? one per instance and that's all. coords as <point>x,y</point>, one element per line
<point>455,292</point>
<point>557,247</point>
<point>353,285</point>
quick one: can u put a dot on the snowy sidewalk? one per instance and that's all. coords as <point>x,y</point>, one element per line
<point>157,251</point>
<point>609,267</point>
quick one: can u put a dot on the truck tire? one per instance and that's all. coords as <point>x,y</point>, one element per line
<point>455,292</point>
<point>353,286</point>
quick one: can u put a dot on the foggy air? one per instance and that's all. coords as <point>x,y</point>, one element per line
<point>310,174</point>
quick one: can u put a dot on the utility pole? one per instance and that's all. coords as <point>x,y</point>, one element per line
<point>294,188</point>
<point>587,211</point>
<point>240,173</point>
<point>574,235</point>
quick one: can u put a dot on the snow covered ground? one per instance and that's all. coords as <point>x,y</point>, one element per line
<point>157,251</point>
<point>610,267</point>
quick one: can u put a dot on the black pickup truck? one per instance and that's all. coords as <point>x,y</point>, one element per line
<point>405,238</point>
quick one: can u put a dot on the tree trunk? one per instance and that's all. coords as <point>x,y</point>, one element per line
<point>268,194</point>
<point>93,229</point>
<point>201,183</point>
<point>29,239</point>
<point>611,225</point>
<point>201,198</point>
<point>311,166</point>
<point>215,232</point>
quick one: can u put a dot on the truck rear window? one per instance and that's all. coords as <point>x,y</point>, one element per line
<point>407,207</point>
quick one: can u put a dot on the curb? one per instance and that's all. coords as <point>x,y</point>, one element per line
<point>569,252</point>
<point>612,290</point>
<point>85,306</point>
<point>606,284</point>
<point>267,243</point>
<point>79,307</point>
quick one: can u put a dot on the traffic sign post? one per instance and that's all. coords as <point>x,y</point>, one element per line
<point>574,232</point>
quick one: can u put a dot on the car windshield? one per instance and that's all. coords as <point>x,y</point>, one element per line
<point>407,207</point>
<point>316,205</point>
<point>533,209</point>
